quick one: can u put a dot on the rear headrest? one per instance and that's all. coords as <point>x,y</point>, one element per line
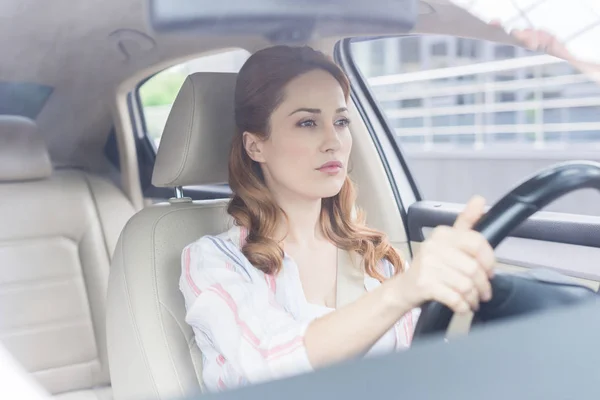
<point>23,153</point>
<point>194,147</point>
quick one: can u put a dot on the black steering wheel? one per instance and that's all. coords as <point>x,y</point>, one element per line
<point>513,294</point>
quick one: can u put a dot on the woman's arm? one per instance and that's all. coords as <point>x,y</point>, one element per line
<point>230,306</point>
<point>352,330</point>
<point>232,310</point>
<point>539,40</point>
<point>589,69</point>
<point>453,267</point>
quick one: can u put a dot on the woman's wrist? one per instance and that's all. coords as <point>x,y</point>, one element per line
<point>400,296</point>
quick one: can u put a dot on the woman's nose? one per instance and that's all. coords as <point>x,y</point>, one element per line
<point>331,140</point>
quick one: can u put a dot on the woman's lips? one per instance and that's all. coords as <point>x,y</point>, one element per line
<point>331,167</point>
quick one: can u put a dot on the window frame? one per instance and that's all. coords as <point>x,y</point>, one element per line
<point>404,187</point>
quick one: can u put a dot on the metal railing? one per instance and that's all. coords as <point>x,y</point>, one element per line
<point>527,107</point>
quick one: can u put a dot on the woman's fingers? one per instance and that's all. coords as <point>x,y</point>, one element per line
<point>537,40</point>
<point>533,39</point>
<point>540,40</point>
<point>452,299</point>
<point>473,211</point>
<point>527,37</point>
<point>461,284</point>
<point>475,245</point>
<point>455,264</point>
<point>470,242</point>
<point>472,277</point>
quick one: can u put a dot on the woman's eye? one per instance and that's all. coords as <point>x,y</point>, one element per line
<point>308,123</point>
<point>342,122</point>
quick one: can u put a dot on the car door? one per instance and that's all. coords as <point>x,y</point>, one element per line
<point>455,117</point>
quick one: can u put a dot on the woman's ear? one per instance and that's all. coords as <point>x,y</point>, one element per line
<point>253,146</point>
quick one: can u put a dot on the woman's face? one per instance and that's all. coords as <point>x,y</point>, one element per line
<point>309,145</point>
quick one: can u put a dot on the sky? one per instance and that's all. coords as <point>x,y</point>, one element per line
<point>575,22</point>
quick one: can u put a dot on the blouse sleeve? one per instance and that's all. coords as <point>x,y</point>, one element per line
<point>231,305</point>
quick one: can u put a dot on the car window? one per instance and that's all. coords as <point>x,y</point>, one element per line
<point>25,99</point>
<point>472,116</point>
<point>158,93</point>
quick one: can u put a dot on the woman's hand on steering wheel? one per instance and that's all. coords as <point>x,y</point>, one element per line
<point>454,265</point>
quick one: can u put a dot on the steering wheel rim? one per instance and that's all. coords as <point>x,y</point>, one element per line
<point>508,213</point>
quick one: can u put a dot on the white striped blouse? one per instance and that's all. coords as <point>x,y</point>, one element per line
<point>249,325</point>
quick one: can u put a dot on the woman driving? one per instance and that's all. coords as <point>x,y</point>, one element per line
<point>261,297</point>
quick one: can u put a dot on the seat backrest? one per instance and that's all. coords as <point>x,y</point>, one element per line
<point>56,238</point>
<point>151,348</point>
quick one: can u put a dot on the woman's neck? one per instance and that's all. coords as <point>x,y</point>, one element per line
<point>302,226</point>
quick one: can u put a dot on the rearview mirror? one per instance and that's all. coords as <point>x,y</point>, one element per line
<point>284,20</point>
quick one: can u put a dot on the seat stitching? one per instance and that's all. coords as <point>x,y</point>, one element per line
<point>22,239</point>
<point>97,210</point>
<point>85,280</point>
<point>65,366</point>
<point>182,329</point>
<point>155,288</point>
<point>132,314</point>
<point>92,389</point>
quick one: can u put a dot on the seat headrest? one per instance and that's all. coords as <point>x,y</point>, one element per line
<point>194,147</point>
<point>23,152</point>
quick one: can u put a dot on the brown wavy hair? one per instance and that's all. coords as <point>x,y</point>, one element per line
<point>259,91</point>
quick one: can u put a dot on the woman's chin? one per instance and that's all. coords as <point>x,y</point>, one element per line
<point>330,189</point>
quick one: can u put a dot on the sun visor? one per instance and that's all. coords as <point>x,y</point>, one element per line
<point>284,21</point>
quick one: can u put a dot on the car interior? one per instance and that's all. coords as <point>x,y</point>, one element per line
<point>94,217</point>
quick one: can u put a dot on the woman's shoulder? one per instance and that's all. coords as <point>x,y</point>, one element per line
<point>207,246</point>
<point>228,239</point>
<point>217,251</point>
<point>213,261</point>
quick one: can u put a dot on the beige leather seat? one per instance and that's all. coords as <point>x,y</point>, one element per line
<point>57,232</point>
<point>151,349</point>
